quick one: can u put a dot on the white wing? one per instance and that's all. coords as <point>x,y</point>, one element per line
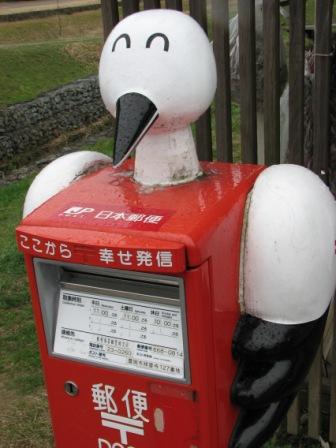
<point>59,174</point>
<point>289,268</point>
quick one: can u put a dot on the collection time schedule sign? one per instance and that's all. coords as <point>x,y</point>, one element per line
<point>120,332</point>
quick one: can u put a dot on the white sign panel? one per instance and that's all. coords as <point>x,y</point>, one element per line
<point>119,332</point>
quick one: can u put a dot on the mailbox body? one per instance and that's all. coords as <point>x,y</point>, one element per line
<point>106,243</point>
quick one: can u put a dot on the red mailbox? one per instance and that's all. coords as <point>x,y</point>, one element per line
<point>135,300</point>
<point>150,280</point>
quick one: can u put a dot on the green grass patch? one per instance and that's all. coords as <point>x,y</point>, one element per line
<point>41,54</point>
<point>104,145</point>
<point>236,140</point>
<point>20,363</point>
<point>26,71</point>
<point>13,284</point>
<point>81,25</point>
<point>24,420</point>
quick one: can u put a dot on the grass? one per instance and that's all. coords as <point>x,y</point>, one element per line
<point>85,25</point>
<point>27,71</point>
<point>104,145</point>
<point>33,430</point>
<point>41,54</point>
<point>23,409</point>
<point>13,288</point>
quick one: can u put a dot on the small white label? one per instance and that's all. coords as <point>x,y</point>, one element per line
<point>118,332</point>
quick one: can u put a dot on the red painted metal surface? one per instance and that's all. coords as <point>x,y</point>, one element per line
<point>201,228</point>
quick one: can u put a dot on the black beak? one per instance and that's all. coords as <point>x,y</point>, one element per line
<point>135,115</point>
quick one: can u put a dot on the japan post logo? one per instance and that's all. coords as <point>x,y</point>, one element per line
<point>126,417</point>
<point>77,211</point>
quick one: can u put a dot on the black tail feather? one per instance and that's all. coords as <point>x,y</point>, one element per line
<point>254,427</point>
<point>273,359</point>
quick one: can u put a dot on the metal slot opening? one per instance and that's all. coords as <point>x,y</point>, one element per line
<point>129,288</point>
<point>115,319</point>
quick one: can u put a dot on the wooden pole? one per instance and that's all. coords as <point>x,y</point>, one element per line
<point>110,15</point>
<point>321,88</point>
<point>247,75</point>
<point>271,81</point>
<point>296,81</point>
<point>221,42</point>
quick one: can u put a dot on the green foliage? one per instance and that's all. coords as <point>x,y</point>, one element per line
<point>40,54</point>
<point>235,111</point>
<point>79,26</point>
<point>104,145</point>
<point>23,416</point>
<point>20,363</point>
<point>283,440</point>
<point>13,285</point>
<point>24,421</point>
<point>310,11</point>
<point>274,443</point>
<point>26,71</point>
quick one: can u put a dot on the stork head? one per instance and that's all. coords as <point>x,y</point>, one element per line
<point>157,71</point>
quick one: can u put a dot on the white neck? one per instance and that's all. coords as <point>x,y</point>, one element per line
<point>167,158</point>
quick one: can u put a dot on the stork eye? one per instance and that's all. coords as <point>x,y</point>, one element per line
<point>162,36</point>
<point>122,36</point>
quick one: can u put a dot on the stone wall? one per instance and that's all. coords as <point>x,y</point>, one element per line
<point>25,126</point>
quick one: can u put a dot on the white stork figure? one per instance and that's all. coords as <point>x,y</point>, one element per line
<point>157,75</point>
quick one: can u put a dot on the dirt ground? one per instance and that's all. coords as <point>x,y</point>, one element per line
<point>41,5</point>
